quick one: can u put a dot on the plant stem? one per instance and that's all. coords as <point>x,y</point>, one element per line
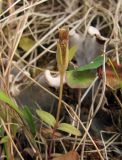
<point>60,96</point>
<point>58,112</point>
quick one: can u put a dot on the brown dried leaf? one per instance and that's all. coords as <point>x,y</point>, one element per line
<point>114,75</point>
<point>72,155</point>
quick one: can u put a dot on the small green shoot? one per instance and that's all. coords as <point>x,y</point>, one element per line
<point>62,61</point>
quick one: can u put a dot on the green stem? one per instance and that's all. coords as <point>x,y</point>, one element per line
<point>60,96</point>
<point>58,112</point>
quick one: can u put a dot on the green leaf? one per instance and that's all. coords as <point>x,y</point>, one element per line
<point>72,52</point>
<point>97,62</point>
<point>46,117</point>
<point>4,139</point>
<point>77,79</point>
<point>83,76</point>
<point>29,118</point>
<point>69,129</point>
<point>26,43</point>
<point>6,99</point>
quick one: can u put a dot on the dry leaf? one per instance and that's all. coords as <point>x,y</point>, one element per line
<point>72,155</point>
<point>113,74</point>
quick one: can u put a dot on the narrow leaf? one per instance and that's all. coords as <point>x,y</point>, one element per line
<point>46,117</point>
<point>69,129</point>
<point>29,118</point>
<point>77,79</point>
<point>72,52</point>
<point>6,99</point>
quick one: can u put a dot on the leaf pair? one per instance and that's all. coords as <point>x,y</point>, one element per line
<point>51,121</point>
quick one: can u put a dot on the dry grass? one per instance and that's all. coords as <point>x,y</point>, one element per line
<point>40,20</point>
